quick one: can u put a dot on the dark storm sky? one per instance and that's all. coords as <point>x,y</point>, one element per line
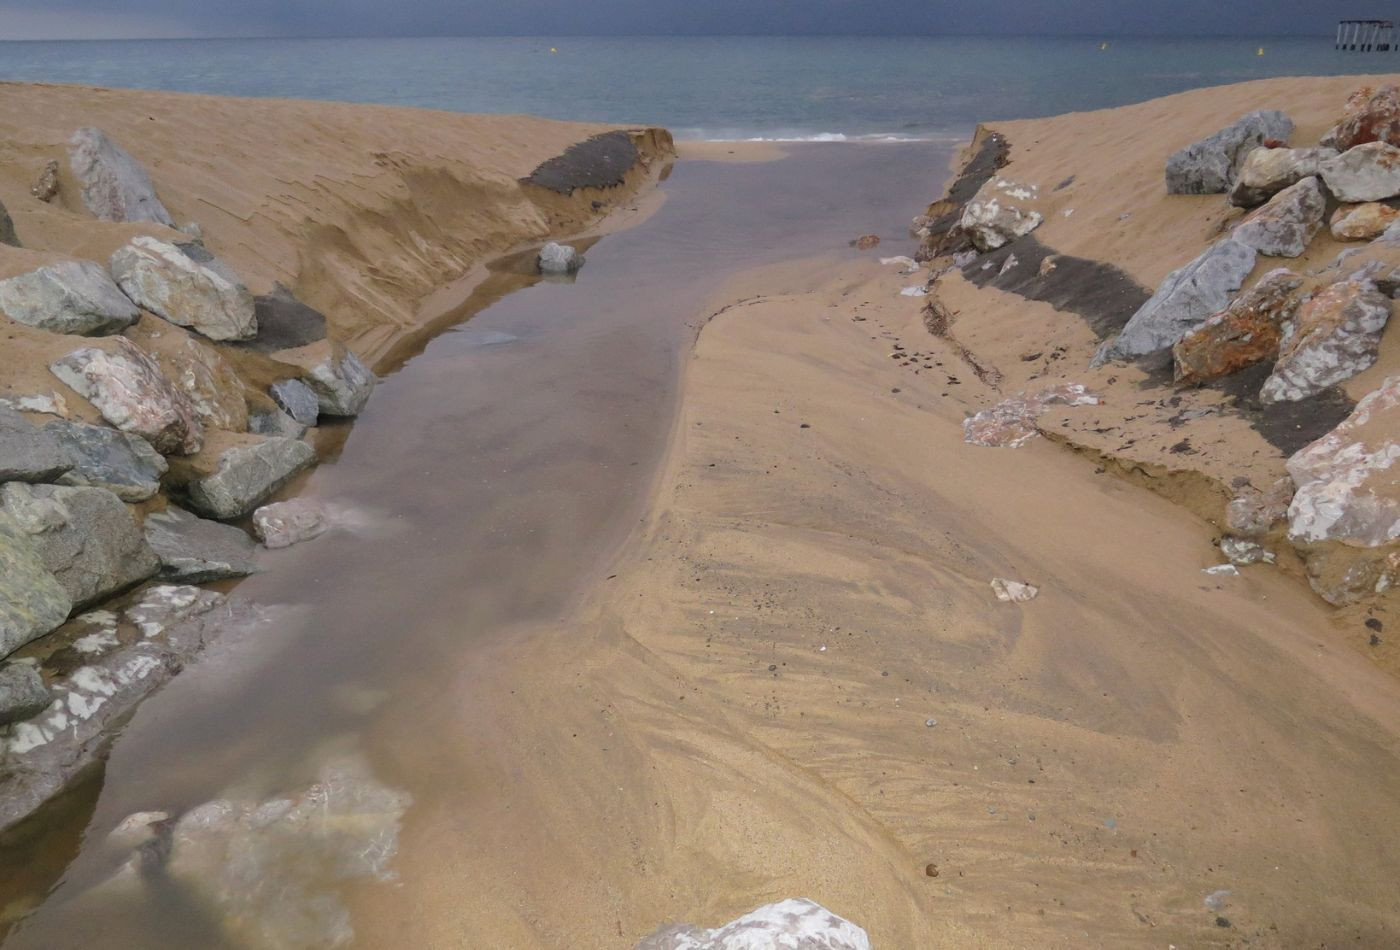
<point>28,19</point>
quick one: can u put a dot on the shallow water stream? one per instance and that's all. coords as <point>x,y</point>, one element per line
<point>487,485</point>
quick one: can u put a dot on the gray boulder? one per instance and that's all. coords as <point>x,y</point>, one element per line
<point>173,285</point>
<point>247,472</point>
<point>1333,336</point>
<point>28,453</point>
<point>68,297</point>
<point>1211,165</point>
<point>23,694</point>
<point>1287,224</point>
<point>284,523</point>
<point>284,322</point>
<point>104,457</point>
<point>114,185</point>
<point>342,383</point>
<point>1267,171</point>
<point>274,421</point>
<point>129,389</point>
<point>1183,301</point>
<point>559,259</point>
<point>798,924</point>
<point>86,538</point>
<point>297,400</point>
<point>1369,172</point>
<point>7,228</point>
<point>196,551</point>
<point>32,601</point>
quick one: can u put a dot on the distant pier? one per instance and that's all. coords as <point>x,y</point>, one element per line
<point>1366,36</point>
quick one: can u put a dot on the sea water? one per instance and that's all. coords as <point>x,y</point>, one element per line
<point>819,88</point>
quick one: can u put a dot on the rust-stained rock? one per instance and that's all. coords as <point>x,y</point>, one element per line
<point>1244,333</point>
<point>1334,336</point>
<point>132,393</point>
<point>1369,116</point>
<point>1363,222</point>
<point>866,242</point>
<point>1012,423</point>
<point>211,383</point>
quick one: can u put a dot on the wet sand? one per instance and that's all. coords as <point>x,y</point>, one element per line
<point>490,483</point>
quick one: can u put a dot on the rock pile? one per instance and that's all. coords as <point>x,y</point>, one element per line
<point>140,342</point>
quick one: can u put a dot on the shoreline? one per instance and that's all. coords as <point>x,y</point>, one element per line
<point>793,675</point>
<point>43,759</point>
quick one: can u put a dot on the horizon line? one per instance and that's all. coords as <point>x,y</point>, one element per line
<point>606,36</point>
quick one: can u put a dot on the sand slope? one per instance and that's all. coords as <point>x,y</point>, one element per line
<point>362,210</point>
<point>741,715</point>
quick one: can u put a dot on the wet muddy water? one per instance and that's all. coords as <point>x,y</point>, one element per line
<point>486,486</point>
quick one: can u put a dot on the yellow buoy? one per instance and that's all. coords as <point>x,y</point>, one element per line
<point>1261,52</point>
<point>1103,46</point>
<point>553,50</point>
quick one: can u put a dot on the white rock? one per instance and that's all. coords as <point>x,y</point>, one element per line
<point>171,284</point>
<point>1369,172</point>
<point>793,924</point>
<point>1000,212</point>
<point>1013,592</point>
<point>1346,491</point>
<point>559,259</point>
<point>129,389</point>
<point>114,185</point>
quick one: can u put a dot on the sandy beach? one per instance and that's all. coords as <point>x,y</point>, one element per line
<point>660,606</point>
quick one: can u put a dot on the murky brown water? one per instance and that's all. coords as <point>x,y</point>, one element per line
<point>486,486</point>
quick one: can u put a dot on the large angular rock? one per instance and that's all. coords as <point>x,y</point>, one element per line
<point>28,453</point>
<point>171,284</point>
<point>342,383</point>
<point>559,259</point>
<point>23,694</point>
<point>1334,336</point>
<point>1267,171</point>
<point>284,322</point>
<point>297,400</point>
<point>196,551</point>
<point>1369,172</point>
<point>32,601</point>
<point>1286,225</point>
<point>1369,116</point>
<point>1363,222</point>
<point>246,472</point>
<point>1000,212</point>
<point>115,187</point>
<point>45,753</point>
<point>68,297</point>
<point>1244,333</point>
<point>132,393</point>
<point>1211,165</point>
<point>86,538</point>
<point>792,924</point>
<point>213,386</point>
<point>1185,299</point>
<point>104,457</point>
<point>273,421</point>
<point>1346,489</point>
